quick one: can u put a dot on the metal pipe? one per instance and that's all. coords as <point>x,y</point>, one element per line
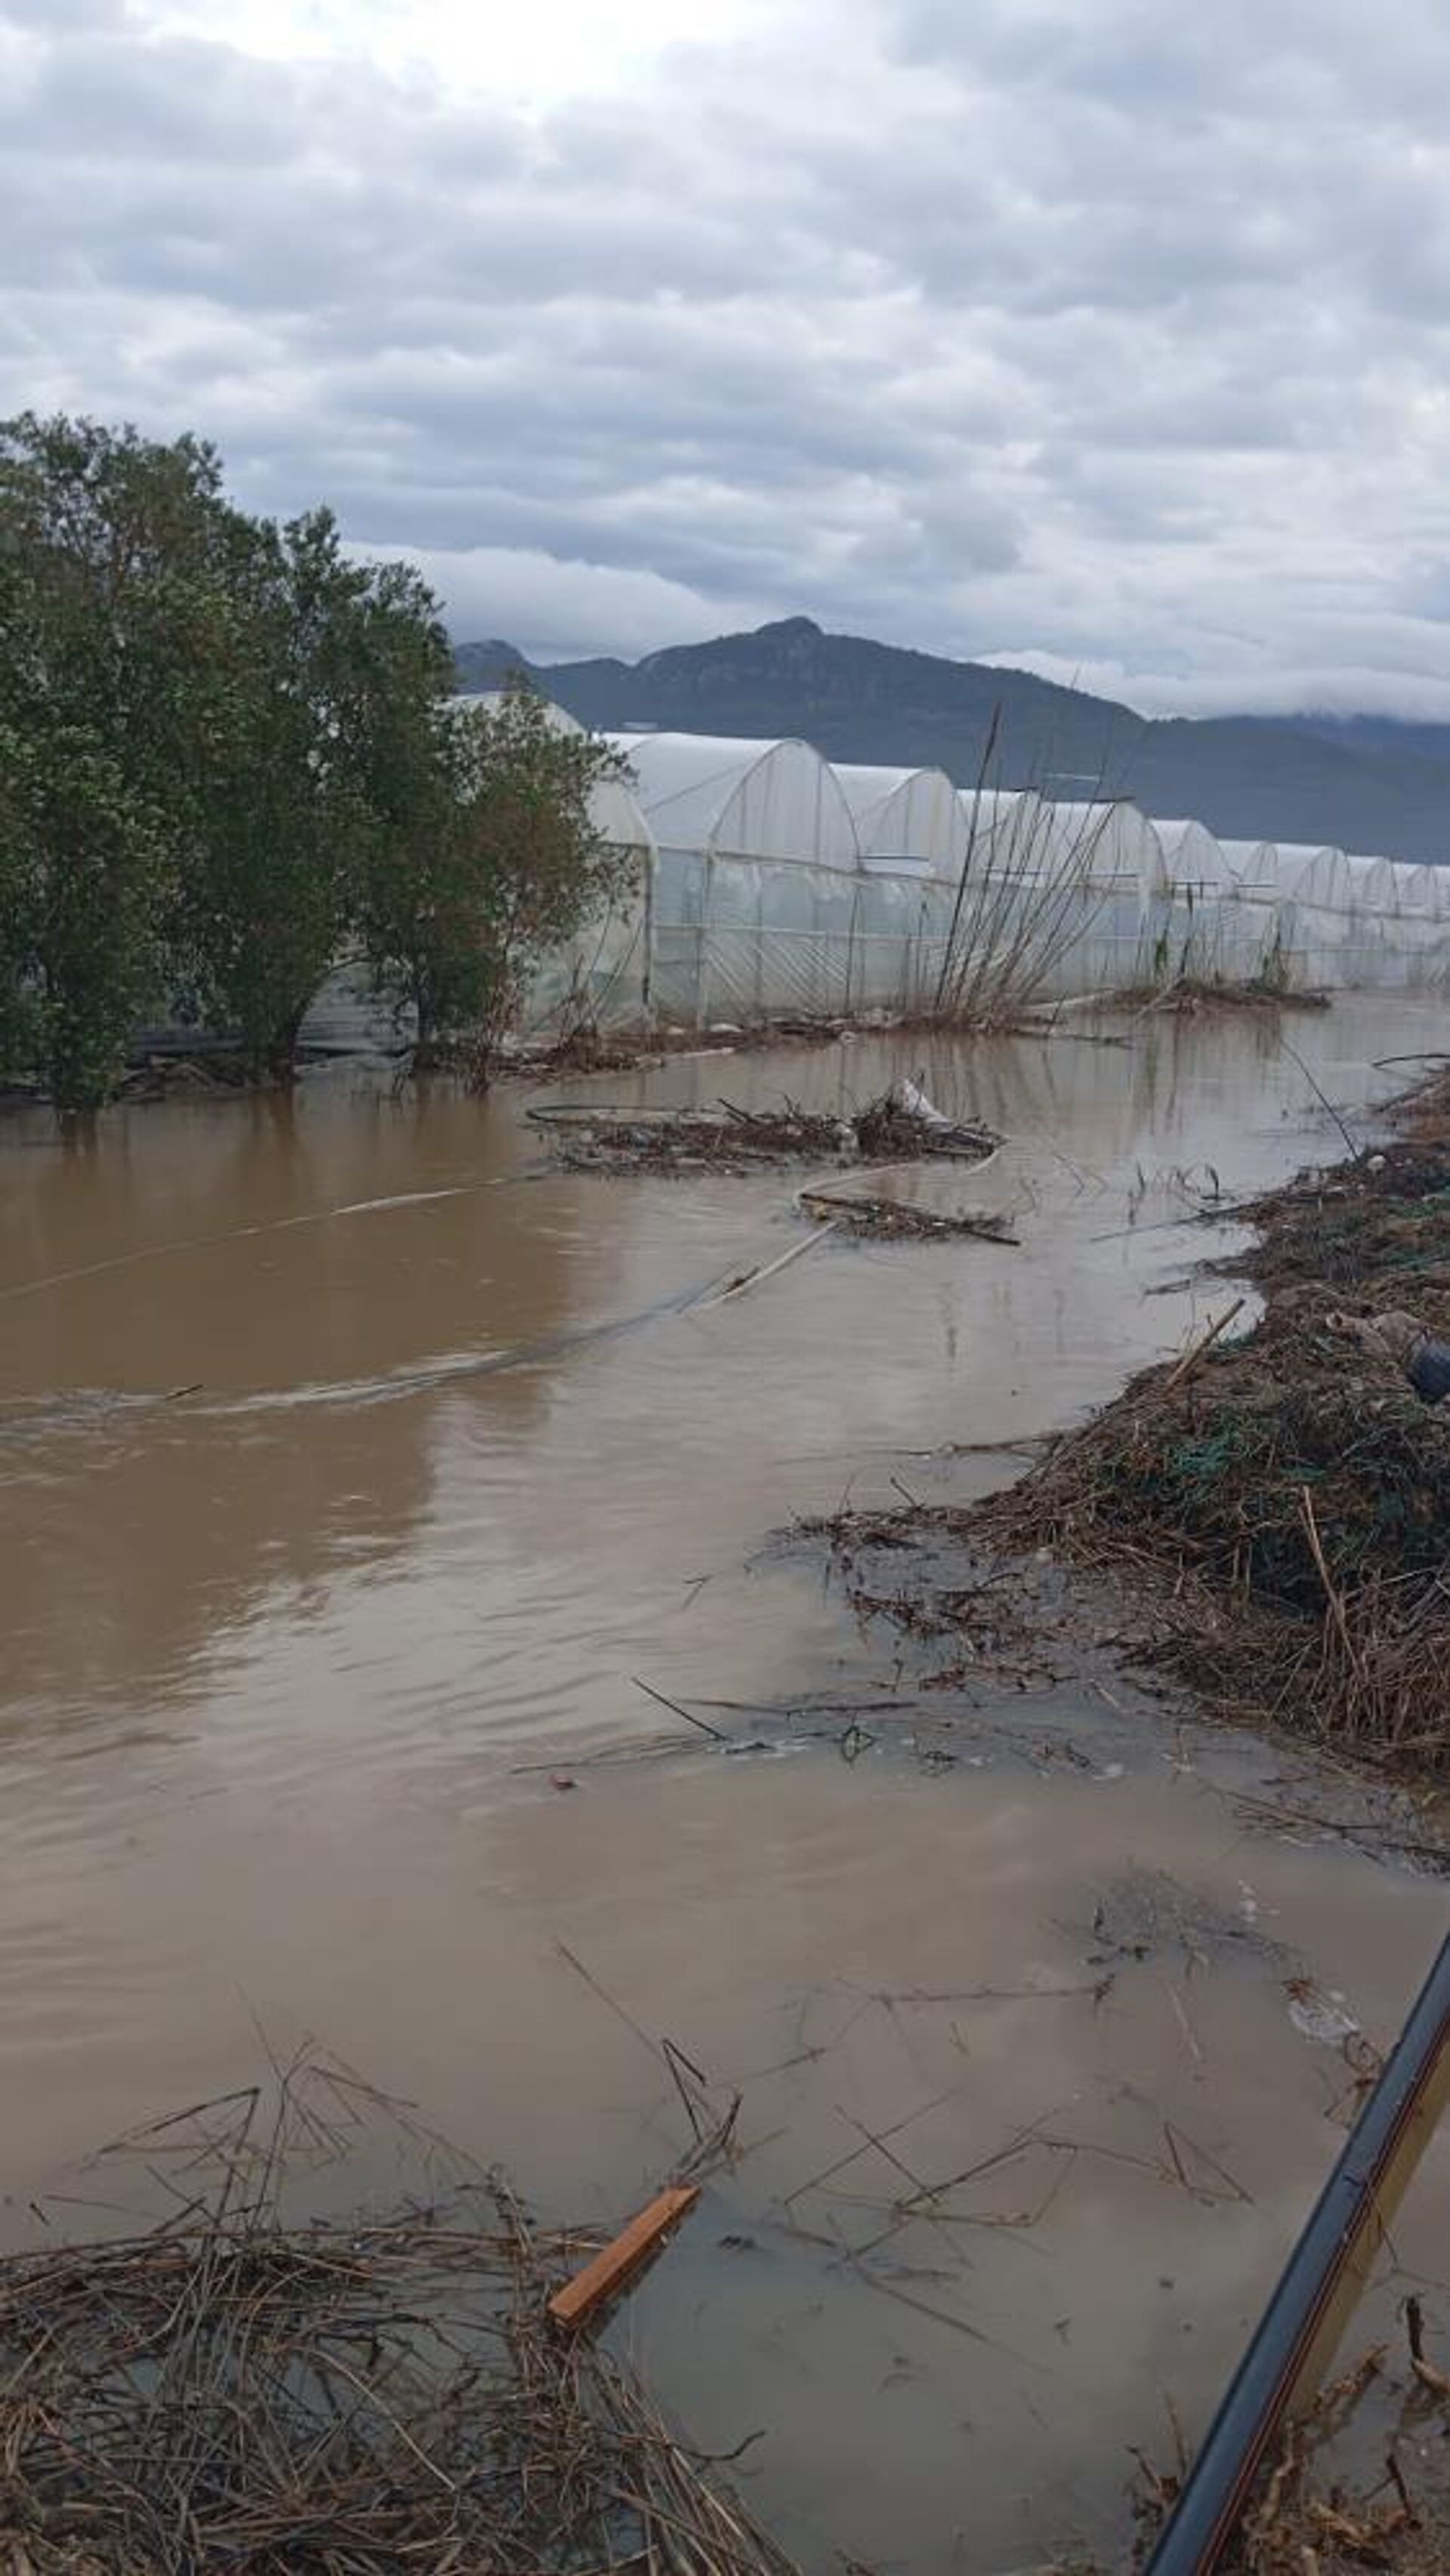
<point>1285,2364</point>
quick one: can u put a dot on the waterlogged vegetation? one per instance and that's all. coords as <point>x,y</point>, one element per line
<point>229,756</point>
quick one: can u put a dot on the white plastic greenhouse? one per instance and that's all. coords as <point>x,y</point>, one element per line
<point>910,814</point>
<point>1194,860</point>
<point>1252,868</point>
<point>1007,828</point>
<point>771,883</point>
<point>776,884</point>
<point>758,882</point>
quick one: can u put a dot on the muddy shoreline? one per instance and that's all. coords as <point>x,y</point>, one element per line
<point>1254,1531</point>
<point>1263,1520</point>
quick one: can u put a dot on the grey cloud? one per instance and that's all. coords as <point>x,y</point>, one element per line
<point>1089,331</point>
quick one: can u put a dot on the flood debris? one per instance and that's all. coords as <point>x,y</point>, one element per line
<point>1147,1913</point>
<point>231,2389</point>
<point>1288,1514</point>
<point>899,1220</point>
<point>166,1074</point>
<point>1201,996</point>
<point>1404,1339</point>
<point>1286,1497</point>
<point>1263,1521</point>
<point>587,1048</point>
<point>729,1138</point>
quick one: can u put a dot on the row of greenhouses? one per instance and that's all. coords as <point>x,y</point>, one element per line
<point>774,882</point>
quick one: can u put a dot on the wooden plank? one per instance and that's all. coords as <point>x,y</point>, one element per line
<point>607,2274</point>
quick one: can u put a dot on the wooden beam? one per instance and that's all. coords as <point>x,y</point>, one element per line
<point>602,2280</point>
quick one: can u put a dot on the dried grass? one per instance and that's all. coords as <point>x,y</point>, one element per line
<point>226,2390</point>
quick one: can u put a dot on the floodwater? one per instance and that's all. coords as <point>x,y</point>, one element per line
<point>357,1468</point>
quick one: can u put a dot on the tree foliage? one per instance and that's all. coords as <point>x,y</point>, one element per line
<point>513,865</point>
<point>228,753</point>
<point>334,676</point>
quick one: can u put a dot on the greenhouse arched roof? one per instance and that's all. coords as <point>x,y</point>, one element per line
<point>905,814</point>
<point>1317,874</point>
<point>1252,866</point>
<point>1108,845</point>
<point>1191,853</point>
<point>750,799</point>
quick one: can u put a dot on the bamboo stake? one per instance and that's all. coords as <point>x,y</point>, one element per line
<point>1195,1353</point>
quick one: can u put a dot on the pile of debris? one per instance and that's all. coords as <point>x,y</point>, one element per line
<point>1285,1497</point>
<point>1265,1520</point>
<point>900,1221</point>
<point>901,1126</point>
<point>168,1075</point>
<point>1203,996</point>
<point>227,2391</point>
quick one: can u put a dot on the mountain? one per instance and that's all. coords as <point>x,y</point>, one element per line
<point>1364,783</point>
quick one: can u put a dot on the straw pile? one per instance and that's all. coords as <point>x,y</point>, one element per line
<point>1190,997</point>
<point>337,2399</point>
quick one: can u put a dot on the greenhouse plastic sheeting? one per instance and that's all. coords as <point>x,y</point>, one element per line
<point>744,800</point>
<point>910,814</point>
<point>770,883</point>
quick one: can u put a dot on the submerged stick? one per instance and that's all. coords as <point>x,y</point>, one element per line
<point>705,1728</point>
<point>753,1278</point>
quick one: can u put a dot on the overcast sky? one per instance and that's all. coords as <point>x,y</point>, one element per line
<point>1098,335</point>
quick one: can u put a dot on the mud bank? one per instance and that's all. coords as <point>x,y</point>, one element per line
<point>1265,1518</point>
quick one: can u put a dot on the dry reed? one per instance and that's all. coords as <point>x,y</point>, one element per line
<point>342,2398</point>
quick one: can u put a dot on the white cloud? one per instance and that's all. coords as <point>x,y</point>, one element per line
<point>554,609</point>
<point>573,46</point>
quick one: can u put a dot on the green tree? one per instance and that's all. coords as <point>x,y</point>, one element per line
<point>111,554</point>
<point>85,869</point>
<point>226,749</point>
<point>514,865</point>
<point>19,1026</point>
<point>334,673</point>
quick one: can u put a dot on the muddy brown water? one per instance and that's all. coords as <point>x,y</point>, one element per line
<point>292,1661</point>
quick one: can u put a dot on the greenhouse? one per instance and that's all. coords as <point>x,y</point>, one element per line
<point>1007,829</point>
<point>1194,860</point>
<point>775,884</point>
<point>910,814</point>
<point>757,890</point>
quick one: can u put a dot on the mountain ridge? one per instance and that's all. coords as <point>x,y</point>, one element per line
<point>1363,783</point>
